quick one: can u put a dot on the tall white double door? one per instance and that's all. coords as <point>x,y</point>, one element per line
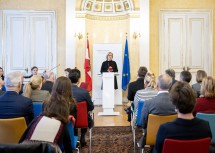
<point>28,39</point>
<point>186,41</point>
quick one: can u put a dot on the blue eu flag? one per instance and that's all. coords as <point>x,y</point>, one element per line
<point>126,68</point>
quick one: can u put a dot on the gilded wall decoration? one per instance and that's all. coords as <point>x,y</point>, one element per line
<point>108,7</point>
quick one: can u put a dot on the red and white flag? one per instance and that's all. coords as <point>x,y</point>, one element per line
<point>88,78</point>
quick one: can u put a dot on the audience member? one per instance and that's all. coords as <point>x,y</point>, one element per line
<point>33,89</point>
<point>1,73</point>
<point>185,127</point>
<point>185,76</point>
<point>80,95</point>
<point>2,78</point>
<point>158,105</point>
<point>34,71</point>
<point>171,73</point>
<point>49,81</point>
<point>62,87</point>
<point>11,103</point>
<point>149,91</point>
<point>1,84</point>
<point>51,125</point>
<point>199,77</point>
<point>206,102</point>
<point>133,87</point>
<point>67,71</point>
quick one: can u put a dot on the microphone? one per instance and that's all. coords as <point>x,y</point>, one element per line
<point>52,68</point>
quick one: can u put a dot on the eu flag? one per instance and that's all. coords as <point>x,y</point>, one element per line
<point>126,68</point>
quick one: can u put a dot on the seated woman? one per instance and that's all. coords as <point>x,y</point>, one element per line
<point>51,125</point>
<point>206,102</point>
<point>33,89</point>
<point>149,91</point>
<point>186,126</point>
<point>199,77</point>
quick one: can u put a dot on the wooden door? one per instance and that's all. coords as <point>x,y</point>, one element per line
<point>29,40</point>
<point>185,41</point>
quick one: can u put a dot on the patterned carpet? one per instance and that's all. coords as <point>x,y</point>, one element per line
<point>115,139</point>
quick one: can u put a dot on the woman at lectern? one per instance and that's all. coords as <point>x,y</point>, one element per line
<point>110,66</point>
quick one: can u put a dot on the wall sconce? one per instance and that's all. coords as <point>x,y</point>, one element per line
<point>136,35</point>
<point>79,35</point>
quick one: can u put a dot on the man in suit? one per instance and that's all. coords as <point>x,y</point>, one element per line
<point>158,105</point>
<point>49,81</point>
<point>11,103</point>
<point>133,87</point>
<point>80,95</point>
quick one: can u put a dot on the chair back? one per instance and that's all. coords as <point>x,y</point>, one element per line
<point>82,115</point>
<point>74,139</point>
<point>211,119</point>
<point>139,112</point>
<point>11,130</point>
<point>154,122</point>
<point>38,108</point>
<point>35,147</point>
<point>186,146</point>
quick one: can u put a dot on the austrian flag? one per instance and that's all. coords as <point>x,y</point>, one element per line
<point>88,78</point>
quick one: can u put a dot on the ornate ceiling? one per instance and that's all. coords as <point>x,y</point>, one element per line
<point>107,7</point>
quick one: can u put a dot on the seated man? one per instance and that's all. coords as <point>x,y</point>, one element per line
<point>186,126</point>
<point>80,95</point>
<point>49,81</point>
<point>133,87</point>
<point>171,73</point>
<point>185,76</point>
<point>158,105</point>
<point>11,103</point>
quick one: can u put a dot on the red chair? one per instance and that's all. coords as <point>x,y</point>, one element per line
<point>82,118</point>
<point>187,146</point>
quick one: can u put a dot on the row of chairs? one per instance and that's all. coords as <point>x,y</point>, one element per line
<point>11,130</point>
<point>154,122</point>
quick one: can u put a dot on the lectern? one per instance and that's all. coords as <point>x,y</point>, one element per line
<point>108,94</point>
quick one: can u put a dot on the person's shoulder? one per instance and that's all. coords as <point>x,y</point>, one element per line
<point>24,99</point>
<point>83,90</point>
<point>149,101</point>
<point>141,91</point>
<point>132,83</point>
<point>167,125</point>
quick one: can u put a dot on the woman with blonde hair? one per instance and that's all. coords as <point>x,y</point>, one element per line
<point>150,89</point>
<point>206,102</point>
<point>33,89</point>
<point>110,66</point>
